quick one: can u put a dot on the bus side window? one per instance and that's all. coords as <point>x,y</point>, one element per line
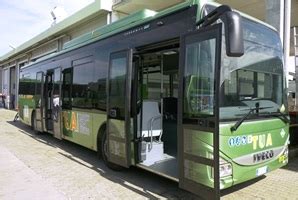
<point>99,91</point>
<point>82,84</point>
<point>199,79</point>
<point>66,88</point>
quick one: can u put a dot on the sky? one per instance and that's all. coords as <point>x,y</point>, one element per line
<point>21,20</point>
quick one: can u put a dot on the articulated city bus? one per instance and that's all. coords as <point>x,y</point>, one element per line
<point>194,93</point>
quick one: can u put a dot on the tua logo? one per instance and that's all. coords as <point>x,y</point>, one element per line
<point>261,141</point>
<point>257,141</point>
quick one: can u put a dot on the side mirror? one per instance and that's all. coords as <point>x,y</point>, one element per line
<point>233,34</point>
<point>233,28</point>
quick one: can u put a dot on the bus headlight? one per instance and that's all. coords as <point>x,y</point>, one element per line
<point>286,152</point>
<point>284,156</point>
<point>225,170</point>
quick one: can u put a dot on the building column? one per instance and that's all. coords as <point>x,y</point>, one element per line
<point>17,80</point>
<point>12,87</point>
<point>6,81</point>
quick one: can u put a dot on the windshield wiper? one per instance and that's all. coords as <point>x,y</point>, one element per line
<point>280,115</point>
<point>251,110</point>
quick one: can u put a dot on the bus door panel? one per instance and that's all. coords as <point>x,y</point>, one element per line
<point>39,102</point>
<point>56,101</point>
<point>119,120</point>
<point>198,112</point>
<point>49,100</point>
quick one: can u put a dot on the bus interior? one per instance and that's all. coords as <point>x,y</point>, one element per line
<point>157,102</point>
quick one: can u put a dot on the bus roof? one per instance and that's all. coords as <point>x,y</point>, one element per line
<point>245,15</point>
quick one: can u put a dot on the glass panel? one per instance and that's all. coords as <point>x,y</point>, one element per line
<point>255,77</point>
<point>117,101</point>
<point>99,89</point>
<point>57,82</point>
<point>199,79</point>
<point>48,90</point>
<point>66,89</point>
<point>170,85</point>
<point>264,88</point>
<point>27,84</point>
<point>38,88</point>
<point>117,88</point>
<point>56,93</point>
<point>82,84</point>
<point>199,111</point>
<point>261,85</point>
<point>246,82</point>
<point>152,83</point>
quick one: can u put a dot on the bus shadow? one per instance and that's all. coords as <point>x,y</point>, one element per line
<point>293,164</point>
<point>241,186</point>
<point>29,132</point>
<point>137,180</point>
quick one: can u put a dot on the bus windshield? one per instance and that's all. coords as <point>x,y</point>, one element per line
<point>256,78</point>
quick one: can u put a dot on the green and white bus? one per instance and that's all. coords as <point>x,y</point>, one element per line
<point>194,93</point>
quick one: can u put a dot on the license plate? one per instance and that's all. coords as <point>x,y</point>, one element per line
<point>262,170</point>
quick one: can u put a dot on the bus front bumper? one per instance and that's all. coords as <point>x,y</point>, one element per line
<point>243,173</point>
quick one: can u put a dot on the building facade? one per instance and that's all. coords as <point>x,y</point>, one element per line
<point>48,42</point>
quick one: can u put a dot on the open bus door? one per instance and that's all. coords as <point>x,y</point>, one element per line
<point>39,102</point>
<point>48,97</point>
<point>52,101</point>
<point>56,115</point>
<point>119,119</point>
<point>198,111</point>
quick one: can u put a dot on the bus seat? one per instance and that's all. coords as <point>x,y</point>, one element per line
<point>151,117</point>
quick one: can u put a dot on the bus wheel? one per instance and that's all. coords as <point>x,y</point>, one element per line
<point>104,152</point>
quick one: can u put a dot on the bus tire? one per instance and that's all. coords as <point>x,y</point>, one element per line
<point>102,151</point>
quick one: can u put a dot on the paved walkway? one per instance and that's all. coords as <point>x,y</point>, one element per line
<point>18,181</point>
<point>38,166</point>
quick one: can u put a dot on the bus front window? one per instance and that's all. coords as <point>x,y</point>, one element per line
<point>256,78</point>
